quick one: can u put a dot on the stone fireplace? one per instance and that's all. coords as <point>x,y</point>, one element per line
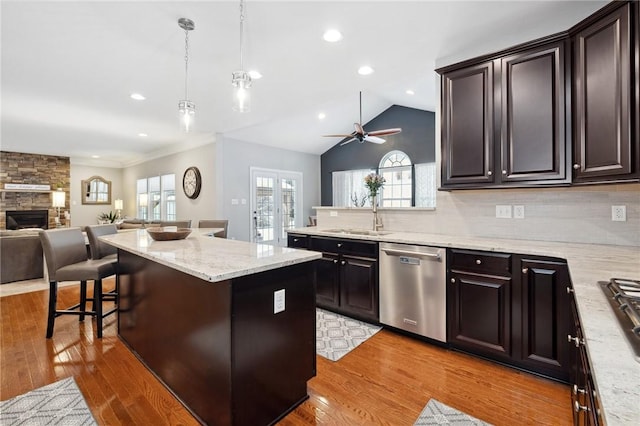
<point>23,219</point>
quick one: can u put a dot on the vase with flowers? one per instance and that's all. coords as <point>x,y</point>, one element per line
<point>374,182</point>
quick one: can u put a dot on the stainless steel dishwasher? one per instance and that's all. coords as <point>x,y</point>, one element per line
<point>413,289</point>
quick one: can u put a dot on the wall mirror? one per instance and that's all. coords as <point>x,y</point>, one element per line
<point>96,190</point>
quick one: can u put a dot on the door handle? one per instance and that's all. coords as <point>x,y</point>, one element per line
<point>394,252</point>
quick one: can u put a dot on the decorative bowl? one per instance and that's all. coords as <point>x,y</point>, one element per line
<point>168,233</point>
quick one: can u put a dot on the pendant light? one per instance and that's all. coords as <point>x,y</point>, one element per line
<point>241,79</point>
<point>186,108</point>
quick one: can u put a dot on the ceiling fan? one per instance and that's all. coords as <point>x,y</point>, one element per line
<point>360,135</point>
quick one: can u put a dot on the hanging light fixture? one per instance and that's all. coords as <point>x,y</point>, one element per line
<point>241,80</point>
<point>186,108</point>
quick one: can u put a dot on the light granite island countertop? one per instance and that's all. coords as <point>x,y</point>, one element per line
<point>616,371</point>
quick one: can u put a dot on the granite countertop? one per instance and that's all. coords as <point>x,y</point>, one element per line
<point>206,257</point>
<point>616,371</point>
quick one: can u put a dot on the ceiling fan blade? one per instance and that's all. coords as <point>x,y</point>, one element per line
<point>374,139</point>
<point>338,136</point>
<point>385,132</point>
<point>350,140</point>
<point>359,129</point>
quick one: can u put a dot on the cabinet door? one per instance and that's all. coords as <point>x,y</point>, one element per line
<point>359,287</point>
<point>546,318</point>
<point>479,313</point>
<point>602,133</point>
<point>533,143</point>
<point>467,125</point>
<point>327,281</point>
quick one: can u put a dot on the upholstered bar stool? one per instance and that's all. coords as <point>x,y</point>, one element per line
<point>66,257</point>
<point>178,223</point>
<point>102,250</point>
<point>215,224</point>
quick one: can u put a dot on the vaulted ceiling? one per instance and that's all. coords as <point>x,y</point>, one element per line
<point>68,67</point>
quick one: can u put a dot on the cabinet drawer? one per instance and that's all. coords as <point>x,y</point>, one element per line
<point>297,241</point>
<point>344,246</point>
<point>481,261</point>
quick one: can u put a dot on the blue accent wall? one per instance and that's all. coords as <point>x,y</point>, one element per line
<point>417,140</point>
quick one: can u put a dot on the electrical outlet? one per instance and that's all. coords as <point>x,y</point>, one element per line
<point>518,212</point>
<point>503,212</point>
<point>278,301</point>
<point>619,213</point>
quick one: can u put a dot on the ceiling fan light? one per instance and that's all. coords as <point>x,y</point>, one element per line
<point>137,96</point>
<point>410,92</point>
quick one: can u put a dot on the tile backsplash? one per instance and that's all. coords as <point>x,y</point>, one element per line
<point>575,214</point>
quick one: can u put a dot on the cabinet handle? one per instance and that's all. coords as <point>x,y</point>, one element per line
<point>335,260</point>
<point>577,407</point>
<point>569,290</point>
<point>576,340</point>
<point>344,262</point>
<point>478,262</point>
<point>453,280</point>
<point>577,390</point>
<point>504,172</point>
<point>525,270</point>
<point>489,173</point>
<point>295,240</point>
<point>576,166</point>
<point>339,244</point>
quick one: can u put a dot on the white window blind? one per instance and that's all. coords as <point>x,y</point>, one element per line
<point>425,181</point>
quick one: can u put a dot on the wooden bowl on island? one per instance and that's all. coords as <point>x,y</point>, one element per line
<point>168,233</point>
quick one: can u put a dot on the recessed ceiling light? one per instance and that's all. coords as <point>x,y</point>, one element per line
<point>137,97</point>
<point>321,116</point>
<point>410,92</point>
<point>255,75</point>
<point>332,36</point>
<point>365,70</point>
<point>95,156</point>
<point>143,135</point>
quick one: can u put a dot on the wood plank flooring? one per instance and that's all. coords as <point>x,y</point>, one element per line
<point>386,381</point>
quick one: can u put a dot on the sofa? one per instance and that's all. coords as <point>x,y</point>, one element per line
<point>21,256</point>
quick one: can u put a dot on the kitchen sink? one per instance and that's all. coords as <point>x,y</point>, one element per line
<point>355,232</point>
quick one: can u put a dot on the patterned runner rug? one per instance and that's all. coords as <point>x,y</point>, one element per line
<point>437,413</point>
<point>60,403</point>
<point>337,335</point>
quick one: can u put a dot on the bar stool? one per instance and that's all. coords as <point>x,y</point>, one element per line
<point>206,223</point>
<point>66,257</point>
<point>101,250</point>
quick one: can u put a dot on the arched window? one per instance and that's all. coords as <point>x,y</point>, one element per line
<point>395,167</point>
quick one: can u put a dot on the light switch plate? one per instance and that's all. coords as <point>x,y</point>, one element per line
<point>278,301</point>
<point>333,213</point>
<point>518,212</point>
<point>503,211</point>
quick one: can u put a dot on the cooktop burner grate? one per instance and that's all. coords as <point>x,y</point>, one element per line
<point>624,297</point>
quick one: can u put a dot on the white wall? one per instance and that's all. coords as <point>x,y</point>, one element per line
<point>234,160</point>
<point>203,157</point>
<point>84,214</point>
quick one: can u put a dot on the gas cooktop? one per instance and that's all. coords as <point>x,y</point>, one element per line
<point>624,297</point>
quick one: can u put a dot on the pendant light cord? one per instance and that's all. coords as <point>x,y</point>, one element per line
<point>186,62</point>
<point>241,33</point>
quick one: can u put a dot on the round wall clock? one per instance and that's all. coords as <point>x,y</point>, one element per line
<point>192,182</point>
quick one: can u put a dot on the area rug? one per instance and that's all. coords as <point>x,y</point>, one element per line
<point>60,403</point>
<point>337,335</point>
<point>437,413</point>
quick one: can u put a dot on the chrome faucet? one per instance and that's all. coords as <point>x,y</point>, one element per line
<point>377,221</point>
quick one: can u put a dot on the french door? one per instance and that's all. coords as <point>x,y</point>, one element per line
<point>276,205</point>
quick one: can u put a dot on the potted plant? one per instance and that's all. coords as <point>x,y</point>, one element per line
<point>109,217</point>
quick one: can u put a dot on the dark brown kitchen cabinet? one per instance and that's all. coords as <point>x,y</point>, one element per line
<point>297,241</point>
<point>584,398</point>
<point>605,107</point>
<point>546,317</point>
<point>504,119</point>
<point>347,277</point>
<point>479,303</point>
<point>467,125</point>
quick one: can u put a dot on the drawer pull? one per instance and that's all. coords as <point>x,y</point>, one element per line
<point>525,270</point>
<point>569,290</point>
<point>335,260</point>
<point>576,166</point>
<point>453,280</point>
<point>576,340</point>
<point>478,262</point>
<point>295,240</point>
<point>344,262</point>
<point>489,173</point>
<point>339,244</point>
<point>577,407</point>
<point>504,172</point>
<point>577,390</point>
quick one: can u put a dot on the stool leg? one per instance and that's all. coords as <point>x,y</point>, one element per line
<point>97,300</point>
<point>51,316</point>
<point>83,299</point>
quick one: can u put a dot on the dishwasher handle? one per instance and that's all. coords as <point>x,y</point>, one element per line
<point>395,252</point>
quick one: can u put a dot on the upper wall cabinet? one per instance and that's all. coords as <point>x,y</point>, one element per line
<point>605,147</point>
<point>504,120</point>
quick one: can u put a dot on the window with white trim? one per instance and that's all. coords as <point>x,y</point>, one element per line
<point>396,169</point>
<point>349,189</point>
<point>156,198</point>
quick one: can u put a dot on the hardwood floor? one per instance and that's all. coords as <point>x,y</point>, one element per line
<point>386,381</point>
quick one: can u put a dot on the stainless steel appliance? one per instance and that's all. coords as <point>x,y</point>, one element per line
<point>413,289</point>
<point>624,297</point>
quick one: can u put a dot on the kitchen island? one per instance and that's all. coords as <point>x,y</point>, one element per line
<point>227,326</point>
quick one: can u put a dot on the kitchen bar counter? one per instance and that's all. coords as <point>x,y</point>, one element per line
<point>616,372</point>
<point>227,326</point>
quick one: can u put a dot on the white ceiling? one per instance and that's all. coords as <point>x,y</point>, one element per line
<point>68,67</point>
